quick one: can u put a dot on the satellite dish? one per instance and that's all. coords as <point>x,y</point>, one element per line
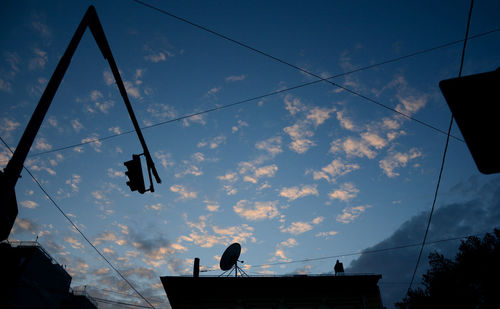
<point>230,257</point>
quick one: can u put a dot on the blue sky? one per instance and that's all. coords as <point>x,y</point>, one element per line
<point>306,173</point>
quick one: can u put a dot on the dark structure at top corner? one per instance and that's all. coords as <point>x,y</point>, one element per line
<point>474,101</point>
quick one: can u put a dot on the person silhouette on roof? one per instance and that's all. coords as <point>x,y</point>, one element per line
<point>339,268</point>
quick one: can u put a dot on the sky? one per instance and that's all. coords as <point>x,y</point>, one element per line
<point>290,174</point>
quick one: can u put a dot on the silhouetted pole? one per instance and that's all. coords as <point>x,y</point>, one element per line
<point>196,268</point>
<point>12,172</point>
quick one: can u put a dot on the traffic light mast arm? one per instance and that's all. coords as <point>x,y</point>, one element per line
<point>100,38</point>
<point>12,172</point>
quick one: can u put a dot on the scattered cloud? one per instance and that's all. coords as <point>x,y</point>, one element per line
<point>42,144</point>
<point>271,145</point>
<point>319,115</point>
<point>8,126</point>
<point>297,228</point>
<point>353,147</point>
<point>326,235</point>
<point>346,192</point>
<point>235,78</point>
<point>257,211</point>
<point>335,169</point>
<point>184,193</point>
<point>397,160</point>
<point>300,137</point>
<point>231,177</point>
<point>29,204</point>
<point>73,242</point>
<point>240,125</point>
<point>213,143</point>
<point>349,214</point>
<point>77,125</point>
<point>39,61</point>
<point>293,193</point>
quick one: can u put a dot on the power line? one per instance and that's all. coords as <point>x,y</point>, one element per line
<point>113,302</point>
<point>363,252</point>
<point>363,68</point>
<point>76,227</point>
<point>444,155</point>
<point>225,37</point>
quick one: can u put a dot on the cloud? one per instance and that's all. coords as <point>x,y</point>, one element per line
<point>76,124</point>
<point>8,126</point>
<point>190,167</point>
<point>374,140</point>
<point>297,228</point>
<point>333,170</point>
<point>5,85</point>
<point>346,192</point>
<point>476,210</point>
<point>213,143</point>
<point>29,204</point>
<point>293,193</point>
<point>199,119</point>
<point>94,142</point>
<point>300,137</point>
<point>231,177</point>
<point>397,160</point>
<point>345,122</point>
<point>105,237</point>
<point>42,144</point>
<point>293,105</point>
<point>157,56</point>
<point>259,210</point>
<point>73,242</point>
<point>290,242</point>
<point>353,147</point>
<point>39,61</point>
<point>349,214</point>
<point>235,78</point>
<point>108,77</point>
<point>184,194</point>
<point>165,158</point>
<point>240,125</point>
<point>271,145</point>
<point>213,91</point>
<point>74,181</point>
<point>205,238</point>
<point>326,235</point>
<point>319,115</point>
<point>266,171</point>
<point>212,206</point>
<point>161,111</point>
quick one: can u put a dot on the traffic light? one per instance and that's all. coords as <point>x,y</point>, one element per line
<point>134,174</point>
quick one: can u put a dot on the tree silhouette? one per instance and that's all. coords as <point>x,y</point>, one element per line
<point>472,280</point>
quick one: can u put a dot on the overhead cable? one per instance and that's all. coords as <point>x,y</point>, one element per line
<point>259,97</point>
<point>360,252</point>
<point>444,155</point>
<point>77,229</point>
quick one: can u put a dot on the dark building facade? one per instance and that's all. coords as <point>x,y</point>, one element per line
<point>299,291</point>
<point>31,278</point>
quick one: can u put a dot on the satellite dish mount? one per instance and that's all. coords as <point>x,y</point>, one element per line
<point>229,261</point>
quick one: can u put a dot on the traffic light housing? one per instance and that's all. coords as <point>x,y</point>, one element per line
<point>134,174</point>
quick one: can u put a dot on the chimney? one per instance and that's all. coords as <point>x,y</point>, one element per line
<point>196,268</point>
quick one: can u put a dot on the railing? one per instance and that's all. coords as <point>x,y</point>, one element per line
<point>31,244</point>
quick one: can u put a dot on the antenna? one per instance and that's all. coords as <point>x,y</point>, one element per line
<point>229,260</point>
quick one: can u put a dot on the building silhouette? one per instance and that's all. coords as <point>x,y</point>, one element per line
<point>31,278</point>
<point>347,291</point>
